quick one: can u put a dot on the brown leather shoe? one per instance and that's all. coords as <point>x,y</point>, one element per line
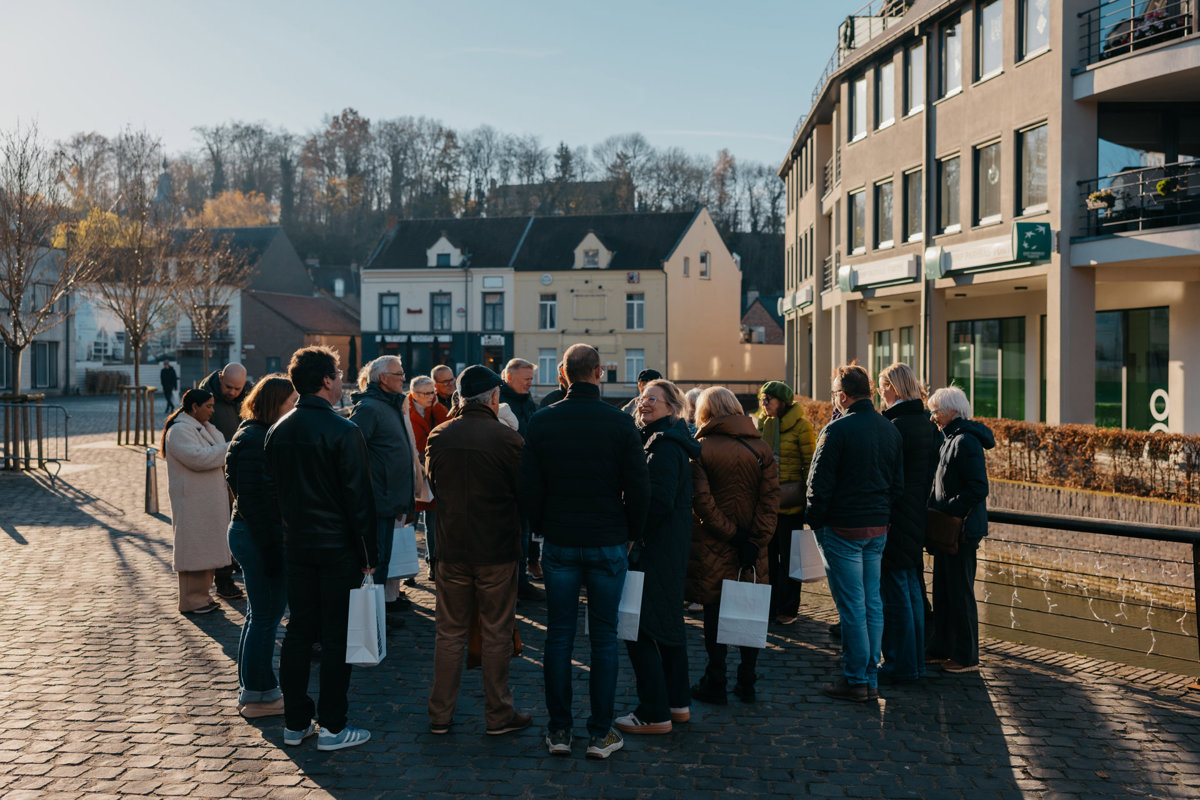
<point>273,708</point>
<point>517,722</point>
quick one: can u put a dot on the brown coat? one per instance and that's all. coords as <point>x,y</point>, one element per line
<point>199,497</point>
<point>731,489</point>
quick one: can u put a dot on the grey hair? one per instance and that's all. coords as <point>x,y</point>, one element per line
<point>419,381</point>
<point>372,371</point>
<point>483,398</point>
<point>953,400</point>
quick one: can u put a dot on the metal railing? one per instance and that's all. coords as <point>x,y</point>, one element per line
<point>857,30</point>
<point>1140,199</point>
<point>222,334</point>
<point>1116,27</point>
<point>827,177</point>
<point>828,272</point>
<point>35,435</point>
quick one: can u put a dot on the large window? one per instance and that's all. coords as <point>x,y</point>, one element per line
<point>987,183</point>
<point>914,205</point>
<point>883,350</point>
<point>858,109</point>
<point>948,195</point>
<point>635,311</point>
<point>950,58</point>
<point>884,236</point>
<point>547,312</point>
<point>635,362</point>
<point>1035,26</point>
<point>857,222</point>
<point>885,95</point>
<point>1132,347</point>
<point>5,367</point>
<point>547,366</point>
<point>493,311</point>
<point>989,38</point>
<point>441,313</point>
<point>1032,147</point>
<point>45,365</point>
<point>987,361</point>
<point>389,312</point>
<point>914,79</point>
<point>908,346</point>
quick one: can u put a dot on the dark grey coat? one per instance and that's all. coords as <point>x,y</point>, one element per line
<point>379,416</point>
<point>960,487</point>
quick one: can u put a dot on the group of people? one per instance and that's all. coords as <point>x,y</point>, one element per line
<point>688,489</point>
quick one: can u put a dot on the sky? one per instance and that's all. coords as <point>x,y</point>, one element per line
<point>696,74</point>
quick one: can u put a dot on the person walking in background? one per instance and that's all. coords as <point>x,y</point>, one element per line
<point>782,425</point>
<point>735,484</point>
<point>229,387</point>
<point>322,472</point>
<point>424,414</point>
<point>518,380</point>
<point>960,489</point>
<point>856,476</point>
<point>443,380</point>
<point>378,412</point>
<point>474,463</point>
<point>170,382</point>
<point>585,487</point>
<point>659,656</point>
<point>256,540</point>
<point>902,570</point>
<point>195,454</point>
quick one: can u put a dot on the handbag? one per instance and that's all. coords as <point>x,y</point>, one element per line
<point>629,610</point>
<point>366,632</point>
<point>745,610</point>
<point>943,532</point>
<point>791,494</point>
<point>806,563</point>
<point>404,562</point>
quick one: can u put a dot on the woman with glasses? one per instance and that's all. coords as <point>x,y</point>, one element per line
<point>424,414</point>
<point>659,655</point>
<point>782,425</point>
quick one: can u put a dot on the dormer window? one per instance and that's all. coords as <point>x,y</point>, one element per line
<point>591,259</point>
<point>339,287</point>
<point>591,253</point>
<point>443,259</point>
<point>444,254</point>
<point>705,257</point>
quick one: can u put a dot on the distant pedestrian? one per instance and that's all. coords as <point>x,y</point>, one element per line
<point>256,539</point>
<point>474,463</point>
<point>322,471</point>
<point>782,425</point>
<point>169,379</point>
<point>644,377</point>
<point>902,570</point>
<point>424,414</point>
<point>735,484</point>
<point>659,655</point>
<point>960,489</point>
<point>585,487</point>
<point>229,387</point>
<point>856,477</point>
<point>195,454</point>
<point>443,380</point>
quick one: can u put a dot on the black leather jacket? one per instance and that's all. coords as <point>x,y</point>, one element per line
<point>857,471</point>
<point>320,466</point>
<point>255,501</point>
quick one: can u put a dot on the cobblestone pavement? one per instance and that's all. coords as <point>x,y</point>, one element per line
<point>106,691</point>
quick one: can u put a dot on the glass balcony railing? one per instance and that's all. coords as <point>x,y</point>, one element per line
<point>1116,27</point>
<point>1141,199</point>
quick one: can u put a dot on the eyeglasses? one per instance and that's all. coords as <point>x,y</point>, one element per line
<point>426,394</point>
<point>396,374</point>
<point>647,401</point>
<point>445,380</point>
<point>336,376</point>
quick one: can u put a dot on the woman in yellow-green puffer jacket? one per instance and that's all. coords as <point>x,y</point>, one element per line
<point>782,425</point>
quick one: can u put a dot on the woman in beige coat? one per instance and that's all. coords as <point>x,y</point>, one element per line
<point>195,453</point>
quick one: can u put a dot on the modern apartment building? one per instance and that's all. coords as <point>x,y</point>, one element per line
<point>1005,194</point>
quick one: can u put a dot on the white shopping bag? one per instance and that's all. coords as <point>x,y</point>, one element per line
<point>366,634</point>
<point>629,612</point>
<point>745,610</point>
<point>404,562</point>
<point>807,562</point>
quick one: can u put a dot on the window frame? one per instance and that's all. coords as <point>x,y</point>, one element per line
<point>883,92</point>
<point>943,62</point>
<point>634,364</point>
<point>547,377</point>
<point>854,111</point>
<point>955,226</point>
<point>435,305</point>
<point>982,74</point>
<point>705,265</point>
<point>1024,208</point>
<point>491,305</point>
<point>384,305</point>
<point>852,214</point>
<point>1024,53</point>
<point>910,82</point>
<point>978,183</point>
<point>914,176</point>
<point>635,311</point>
<point>547,311</point>
<point>890,241</point>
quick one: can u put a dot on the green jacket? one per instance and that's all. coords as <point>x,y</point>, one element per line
<point>792,439</point>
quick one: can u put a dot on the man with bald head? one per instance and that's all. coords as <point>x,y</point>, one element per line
<point>228,386</point>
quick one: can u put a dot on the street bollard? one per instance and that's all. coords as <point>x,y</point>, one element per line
<point>151,482</point>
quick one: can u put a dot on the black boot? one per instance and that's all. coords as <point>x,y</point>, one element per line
<point>709,690</point>
<point>744,688</point>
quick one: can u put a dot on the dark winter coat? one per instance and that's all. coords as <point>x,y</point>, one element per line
<point>857,471</point>
<point>523,406</point>
<point>735,485</point>
<point>255,499</point>
<point>583,472</point>
<point>380,417</point>
<point>960,486</point>
<point>474,463</point>
<point>921,440</point>
<point>552,397</point>
<point>227,414</point>
<point>662,552</point>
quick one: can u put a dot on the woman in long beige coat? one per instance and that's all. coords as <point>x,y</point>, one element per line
<point>195,453</point>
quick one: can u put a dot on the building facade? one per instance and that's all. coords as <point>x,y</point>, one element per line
<point>1005,195</point>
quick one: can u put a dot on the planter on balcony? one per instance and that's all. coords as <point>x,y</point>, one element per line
<point>1102,199</point>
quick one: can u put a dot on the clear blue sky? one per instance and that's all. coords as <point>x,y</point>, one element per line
<point>696,74</point>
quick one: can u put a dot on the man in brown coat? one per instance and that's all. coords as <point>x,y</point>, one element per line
<point>473,462</point>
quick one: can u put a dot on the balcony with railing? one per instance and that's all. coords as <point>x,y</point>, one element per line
<point>220,334</point>
<point>829,268</point>
<point>855,32</point>
<point>1141,199</point>
<point>1117,27</point>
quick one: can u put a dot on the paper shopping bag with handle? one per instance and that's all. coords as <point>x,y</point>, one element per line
<point>745,610</point>
<point>366,634</point>
<point>629,611</point>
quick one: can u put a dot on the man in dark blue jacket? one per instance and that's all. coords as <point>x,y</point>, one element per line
<point>585,487</point>
<point>857,474</point>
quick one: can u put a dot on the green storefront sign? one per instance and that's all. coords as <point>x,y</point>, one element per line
<point>1031,241</point>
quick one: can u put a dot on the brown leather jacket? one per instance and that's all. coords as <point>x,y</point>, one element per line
<point>735,484</point>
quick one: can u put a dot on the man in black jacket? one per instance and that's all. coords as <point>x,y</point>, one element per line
<point>857,474</point>
<point>319,463</point>
<point>518,380</point>
<point>585,487</point>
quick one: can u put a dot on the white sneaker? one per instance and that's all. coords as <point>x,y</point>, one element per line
<point>293,738</point>
<point>349,736</point>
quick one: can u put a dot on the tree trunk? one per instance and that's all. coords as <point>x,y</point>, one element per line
<point>15,371</point>
<point>137,394</point>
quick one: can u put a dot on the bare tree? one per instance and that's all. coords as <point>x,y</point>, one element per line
<point>208,273</point>
<point>34,279</point>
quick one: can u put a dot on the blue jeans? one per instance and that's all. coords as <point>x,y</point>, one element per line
<point>385,528</point>
<point>903,625</point>
<point>602,570</point>
<point>266,598</point>
<point>854,584</point>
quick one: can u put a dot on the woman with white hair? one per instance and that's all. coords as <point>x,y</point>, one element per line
<point>960,488</point>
